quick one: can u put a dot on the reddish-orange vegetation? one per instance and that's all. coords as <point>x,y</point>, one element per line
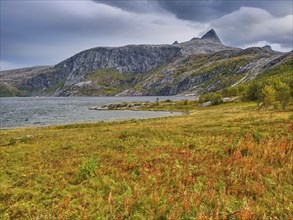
<point>221,162</point>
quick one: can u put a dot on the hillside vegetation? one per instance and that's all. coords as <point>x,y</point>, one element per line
<point>222,162</point>
<point>273,87</point>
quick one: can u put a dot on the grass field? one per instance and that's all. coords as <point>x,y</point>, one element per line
<point>220,162</point>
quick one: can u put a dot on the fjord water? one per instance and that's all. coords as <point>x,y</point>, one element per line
<point>40,111</point>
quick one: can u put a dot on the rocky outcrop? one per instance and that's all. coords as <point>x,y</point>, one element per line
<point>202,46</point>
<point>122,106</point>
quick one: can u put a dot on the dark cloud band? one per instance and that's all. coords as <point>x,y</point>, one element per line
<point>201,10</point>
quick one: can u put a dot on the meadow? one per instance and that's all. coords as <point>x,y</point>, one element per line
<point>228,161</point>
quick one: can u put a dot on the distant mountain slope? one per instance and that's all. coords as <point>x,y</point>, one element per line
<point>11,80</point>
<point>195,66</point>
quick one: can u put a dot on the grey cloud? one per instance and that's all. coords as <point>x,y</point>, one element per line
<point>38,33</point>
<point>41,33</point>
<point>139,6</point>
<point>251,25</point>
<point>207,10</point>
<point>201,10</point>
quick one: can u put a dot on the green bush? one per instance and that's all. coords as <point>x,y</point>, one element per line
<point>87,169</point>
<point>267,96</point>
<point>214,98</point>
<point>283,94</point>
<point>230,92</point>
<point>267,92</point>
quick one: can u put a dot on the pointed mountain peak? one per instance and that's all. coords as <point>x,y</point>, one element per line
<point>212,35</point>
<point>175,42</point>
<point>267,47</point>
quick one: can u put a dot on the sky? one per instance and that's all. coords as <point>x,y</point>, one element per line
<point>45,32</point>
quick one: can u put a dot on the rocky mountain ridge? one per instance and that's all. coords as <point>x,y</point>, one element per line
<point>195,66</point>
<point>203,73</point>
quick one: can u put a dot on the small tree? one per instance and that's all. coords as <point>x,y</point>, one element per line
<point>229,92</point>
<point>216,99</point>
<point>253,92</point>
<point>204,98</point>
<point>283,94</point>
<point>268,96</point>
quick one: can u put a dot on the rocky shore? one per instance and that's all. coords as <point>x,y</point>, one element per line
<point>124,106</point>
<point>179,105</point>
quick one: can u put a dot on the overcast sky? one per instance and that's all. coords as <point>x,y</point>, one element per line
<point>45,32</point>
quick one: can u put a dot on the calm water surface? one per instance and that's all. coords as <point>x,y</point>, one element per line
<point>40,111</point>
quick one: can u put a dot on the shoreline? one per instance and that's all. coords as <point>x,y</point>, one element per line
<point>37,112</point>
<point>172,114</point>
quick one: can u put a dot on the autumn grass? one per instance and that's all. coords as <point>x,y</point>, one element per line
<point>220,162</point>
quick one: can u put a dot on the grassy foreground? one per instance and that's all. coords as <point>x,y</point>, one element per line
<point>220,162</point>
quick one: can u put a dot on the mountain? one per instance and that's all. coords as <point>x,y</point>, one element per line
<point>196,66</point>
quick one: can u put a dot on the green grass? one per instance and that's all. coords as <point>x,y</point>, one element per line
<point>220,162</point>
<point>283,72</point>
<point>8,91</point>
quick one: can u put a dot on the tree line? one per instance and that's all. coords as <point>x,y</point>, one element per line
<point>266,93</point>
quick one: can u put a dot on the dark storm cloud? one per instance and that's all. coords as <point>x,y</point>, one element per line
<point>201,10</point>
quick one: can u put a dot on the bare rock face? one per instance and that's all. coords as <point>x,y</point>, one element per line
<point>128,59</point>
